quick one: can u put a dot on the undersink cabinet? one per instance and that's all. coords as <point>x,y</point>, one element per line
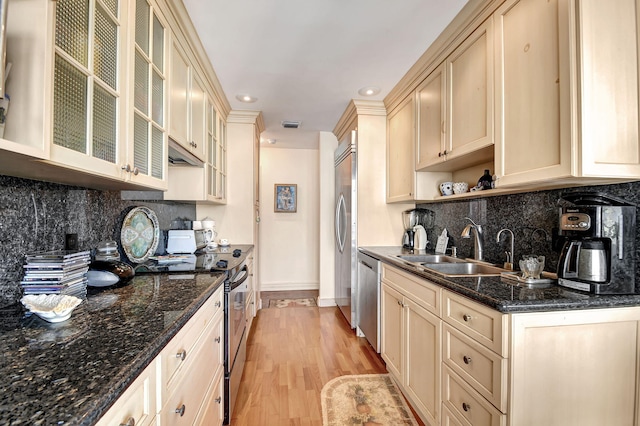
<point>411,339</point>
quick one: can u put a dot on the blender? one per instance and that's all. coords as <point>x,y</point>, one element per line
<point>412,218</point>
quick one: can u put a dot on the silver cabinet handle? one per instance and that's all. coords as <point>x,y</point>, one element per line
<point>181,355</point>
<point>219,399</point>
<point>217,339</point>
<point>466,359</point>
<point>126,168</point>
<point>465,406</point>
<point>136,171</point>
<point>180,410</point>
<point>466,317</point>
<point>130,422</point>
<point>217,304</point>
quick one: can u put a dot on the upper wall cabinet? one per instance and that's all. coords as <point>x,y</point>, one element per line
<point>567,100</point>
<point>72,79</point>
<point>187,103</point>
<point>455,107</point>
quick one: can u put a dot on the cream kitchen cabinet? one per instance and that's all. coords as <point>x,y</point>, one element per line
<point>187,103</point>
<point>71,80</point>
<point>403,182</point>
<point>205,184</point>
<point>411,339</point>
<point>138,404</point>
<point>567,101</point>
<point>455,107</point>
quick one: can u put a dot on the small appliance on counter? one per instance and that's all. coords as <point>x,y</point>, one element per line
<point>411,219</point>
<point>598,255</point>
<point>181,241</point>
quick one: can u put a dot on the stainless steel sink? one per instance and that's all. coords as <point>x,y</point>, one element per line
<point>429,258</point>
<point>463,269</point>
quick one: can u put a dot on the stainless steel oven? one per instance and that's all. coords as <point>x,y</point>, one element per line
<point>235,292</point>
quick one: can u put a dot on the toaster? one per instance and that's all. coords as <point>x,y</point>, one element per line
<point>180,241</point>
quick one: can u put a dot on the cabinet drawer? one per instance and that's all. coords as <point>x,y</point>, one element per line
<point>468,404</point>
<point>183,404</point>
<point>177,355</point>
<point>449,419</point>
<point>480,367</point>
<point>212,412</point>
<point>421,291</point>
<point>138,402</point>
<point>483,324</point>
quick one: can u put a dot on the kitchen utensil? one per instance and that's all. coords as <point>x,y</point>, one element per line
<point>139,234</point>
<point>446,188</point>
<point>108,273</point>
<point>420,238</point>
<point>51,307</point>
<point>460,187</point>
<point>531,266</point>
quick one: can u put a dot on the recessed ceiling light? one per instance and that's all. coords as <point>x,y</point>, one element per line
<point>369,91</point>
<point>246,98</point>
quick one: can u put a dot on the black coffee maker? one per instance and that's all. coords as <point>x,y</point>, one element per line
<point>598,255</point>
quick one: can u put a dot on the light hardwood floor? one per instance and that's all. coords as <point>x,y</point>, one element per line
<point>291,354</point>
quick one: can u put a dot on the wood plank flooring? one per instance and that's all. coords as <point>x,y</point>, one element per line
<point>291,354</point>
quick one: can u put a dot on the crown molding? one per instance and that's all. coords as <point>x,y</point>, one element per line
<point>238,116</point>
<point>355,108</point>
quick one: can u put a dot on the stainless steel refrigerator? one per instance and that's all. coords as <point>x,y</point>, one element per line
<point>346,271</point>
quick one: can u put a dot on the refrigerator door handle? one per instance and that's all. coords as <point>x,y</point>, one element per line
<point>341,219</point>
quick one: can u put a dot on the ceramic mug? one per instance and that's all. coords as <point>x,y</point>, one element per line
<point>460,187</point>
<point>224,242</point>
<point>446,188</point>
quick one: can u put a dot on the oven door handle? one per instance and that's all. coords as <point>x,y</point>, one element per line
<point>234,284</point>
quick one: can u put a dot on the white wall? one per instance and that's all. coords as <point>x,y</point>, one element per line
<point>327,146</point>
<point>289,242</point>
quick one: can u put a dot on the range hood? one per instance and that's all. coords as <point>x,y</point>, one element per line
<point>179,156</point>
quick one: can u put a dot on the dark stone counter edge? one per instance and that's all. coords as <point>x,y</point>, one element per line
<point>130,372</point>
<point>505,306</point>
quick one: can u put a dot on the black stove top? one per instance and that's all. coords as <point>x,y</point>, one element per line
<point>205,261</point>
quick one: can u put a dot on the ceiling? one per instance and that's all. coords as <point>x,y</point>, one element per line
<point>305,60</point>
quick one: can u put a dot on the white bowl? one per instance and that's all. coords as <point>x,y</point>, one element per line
<point>51,307</point>
<point>460,187</point>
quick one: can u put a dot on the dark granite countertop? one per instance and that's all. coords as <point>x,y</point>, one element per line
<point>502,295</point>
<point>70,373</point>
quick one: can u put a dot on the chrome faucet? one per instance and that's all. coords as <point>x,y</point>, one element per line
<point>478,242</point>
<point>509,263</point>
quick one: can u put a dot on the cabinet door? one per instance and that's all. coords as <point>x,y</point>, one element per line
<point>87,101</point>
<point>430,145</point>
<point>607,48</point>
<point>212,152</point>
<point>470,93</point>
<point>179,96</point>
<point>558,361</point>
<point>422,376</point>
<point>532,131</point>
<point>400,149</point>
<point>391,332</point>
<point>197,92</point>
<point>147,152</point>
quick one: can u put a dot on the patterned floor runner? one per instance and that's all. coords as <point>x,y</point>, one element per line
<point>291,303</point>
<point>371,399</point>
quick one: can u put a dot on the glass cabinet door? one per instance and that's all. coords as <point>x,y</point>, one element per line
<point>212,153</point>
<point>86,84</point>
<point>149,131</point>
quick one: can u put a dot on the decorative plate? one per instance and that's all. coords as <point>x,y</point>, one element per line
<point>139,234</point>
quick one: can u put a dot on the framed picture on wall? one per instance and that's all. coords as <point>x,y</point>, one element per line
<point>285,198</point>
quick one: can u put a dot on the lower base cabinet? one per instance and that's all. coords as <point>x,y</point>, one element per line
<point>192,393</point>
<point>461,363</point>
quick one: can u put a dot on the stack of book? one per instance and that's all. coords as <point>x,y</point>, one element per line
<point>56,272</point>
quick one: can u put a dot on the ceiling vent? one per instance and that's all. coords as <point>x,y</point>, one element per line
<point>290,124</point>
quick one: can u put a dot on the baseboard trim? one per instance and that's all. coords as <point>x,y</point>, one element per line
<point>289,286</point>
<point>323,303</point>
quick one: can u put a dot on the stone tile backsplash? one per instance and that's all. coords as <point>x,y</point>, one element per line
<point>36,216</point>
<point>532,216</point>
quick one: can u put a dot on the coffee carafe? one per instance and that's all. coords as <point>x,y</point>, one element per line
<point>598,254</point>
<point>411,219</point>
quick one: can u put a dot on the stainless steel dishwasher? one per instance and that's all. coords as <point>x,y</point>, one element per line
<point>369,298</point>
